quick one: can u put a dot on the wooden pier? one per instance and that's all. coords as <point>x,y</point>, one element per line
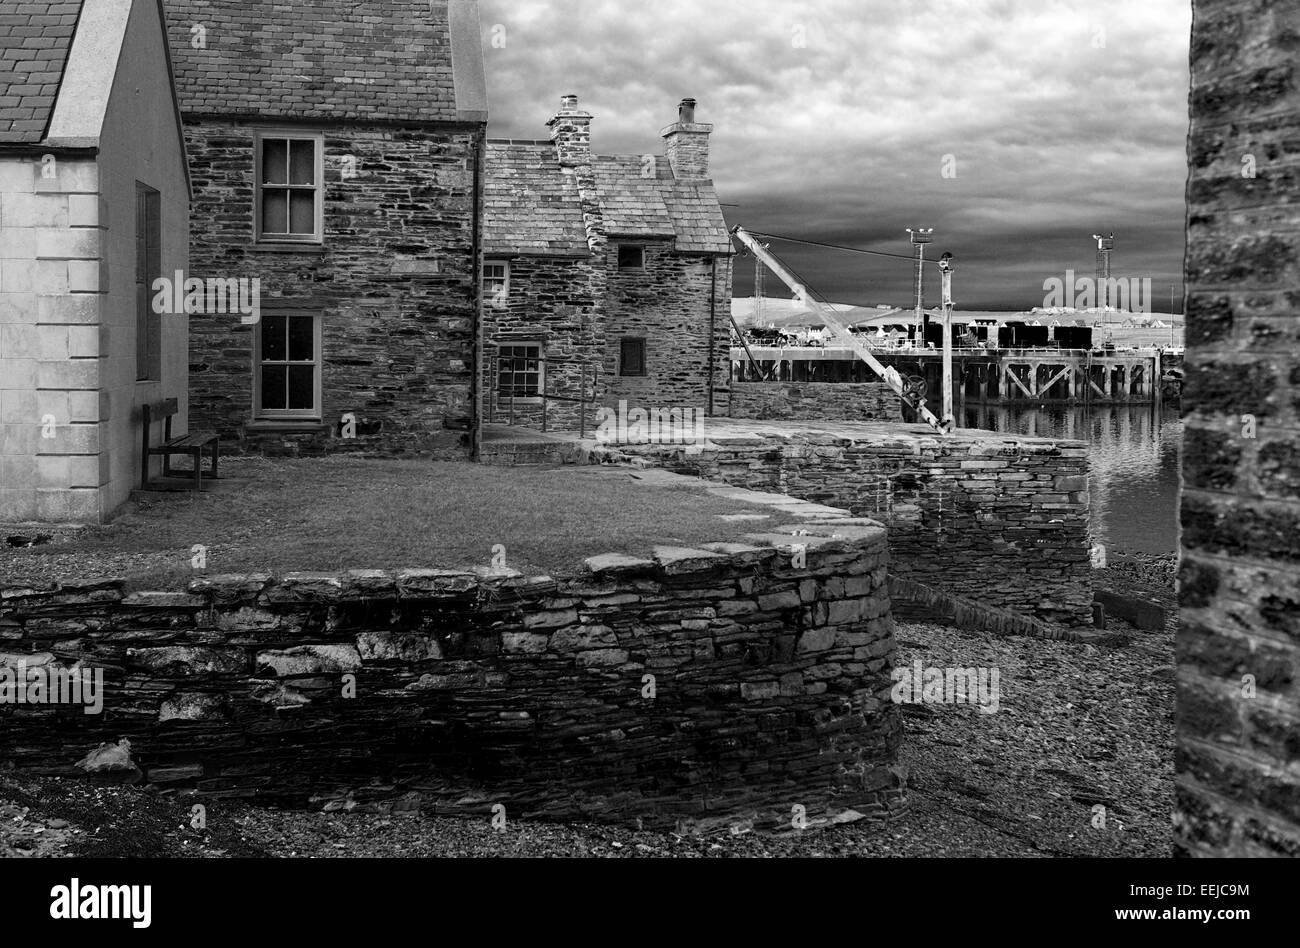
<point>1067,376</point>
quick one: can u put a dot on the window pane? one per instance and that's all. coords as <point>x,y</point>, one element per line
<point>302,387</point>
<point>143,300</point>
<point>302,216</point>
<point>275,212</point>
<point>275,160</point>
<point>302,162</point>
<point>273,377</point>
<point>273,333</point>
<point>302,339</point>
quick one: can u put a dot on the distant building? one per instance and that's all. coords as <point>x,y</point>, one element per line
<point>94,205</point>
<point>605,277</point>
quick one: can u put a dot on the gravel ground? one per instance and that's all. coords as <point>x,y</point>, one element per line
<point>1078,727</point>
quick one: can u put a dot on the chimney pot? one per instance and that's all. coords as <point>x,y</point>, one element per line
<point>569,102</point>
<point>686,112</point>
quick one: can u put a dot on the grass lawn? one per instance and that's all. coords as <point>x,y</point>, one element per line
<point>351,513</point>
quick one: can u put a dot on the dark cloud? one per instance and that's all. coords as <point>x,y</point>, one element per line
<point>833,120</point>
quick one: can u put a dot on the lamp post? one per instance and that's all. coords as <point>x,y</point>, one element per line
<point>945,272</point>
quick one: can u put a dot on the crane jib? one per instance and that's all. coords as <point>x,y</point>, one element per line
<point>841,331</point>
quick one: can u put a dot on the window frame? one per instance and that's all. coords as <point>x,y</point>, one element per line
<point>289,414</point>
<point>318,213</point>
<point>639,248</point>
<point>645,357</point>
<point>148,268</point>
<point>505,281</point>
<point>541,369</point>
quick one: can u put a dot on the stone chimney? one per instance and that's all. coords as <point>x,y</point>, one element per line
<point>571,133</point>
<point>687,143</point>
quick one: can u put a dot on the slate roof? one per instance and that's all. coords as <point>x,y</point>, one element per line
<point>34,41</point>
<point>529,206</point>
<point>697,217</point>
<point>316,59</point>
<point>632,205</point>
<point>532,206</point>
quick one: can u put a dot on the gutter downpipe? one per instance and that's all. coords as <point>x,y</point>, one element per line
<point>713,314</point>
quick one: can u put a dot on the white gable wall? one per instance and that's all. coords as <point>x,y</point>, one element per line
<point>140,142</point>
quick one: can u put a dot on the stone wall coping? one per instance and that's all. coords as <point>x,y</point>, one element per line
<point>723,433</point>
<point>826,535</point>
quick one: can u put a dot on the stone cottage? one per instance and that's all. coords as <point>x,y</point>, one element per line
<point>336,150</point>
<point>94,204</point>
<point>607,279</point>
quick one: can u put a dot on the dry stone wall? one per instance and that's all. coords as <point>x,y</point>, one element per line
<point>1002,521</point>
<point>736,681</point>
<point>828,401</point>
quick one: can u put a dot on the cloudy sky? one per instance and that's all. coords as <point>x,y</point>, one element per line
<point>834,121</point>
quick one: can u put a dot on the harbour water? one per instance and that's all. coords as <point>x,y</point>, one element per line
<point>1133,464</point>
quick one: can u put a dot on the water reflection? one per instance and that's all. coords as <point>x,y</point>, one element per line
<point>1133,464</point>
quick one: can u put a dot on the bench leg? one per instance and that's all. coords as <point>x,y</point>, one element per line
<point>215,443</point>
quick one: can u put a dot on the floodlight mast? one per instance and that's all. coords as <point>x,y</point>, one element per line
<point>841,331</point>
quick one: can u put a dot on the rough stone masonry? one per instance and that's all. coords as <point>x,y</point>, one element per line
<point>998,519</point>
<point>1238,760</point>
<point>736,681</point>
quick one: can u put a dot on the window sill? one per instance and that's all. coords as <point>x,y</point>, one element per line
<point>307,425</point>
<point>288,246</point>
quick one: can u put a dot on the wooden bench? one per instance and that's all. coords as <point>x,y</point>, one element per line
<point>192,444</point>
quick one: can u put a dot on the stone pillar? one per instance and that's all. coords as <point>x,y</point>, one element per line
<point>1237,784</point>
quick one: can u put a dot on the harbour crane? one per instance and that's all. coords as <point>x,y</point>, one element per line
<point>911,396</point>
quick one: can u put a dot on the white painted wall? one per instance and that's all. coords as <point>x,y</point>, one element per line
<point>69,403</point>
